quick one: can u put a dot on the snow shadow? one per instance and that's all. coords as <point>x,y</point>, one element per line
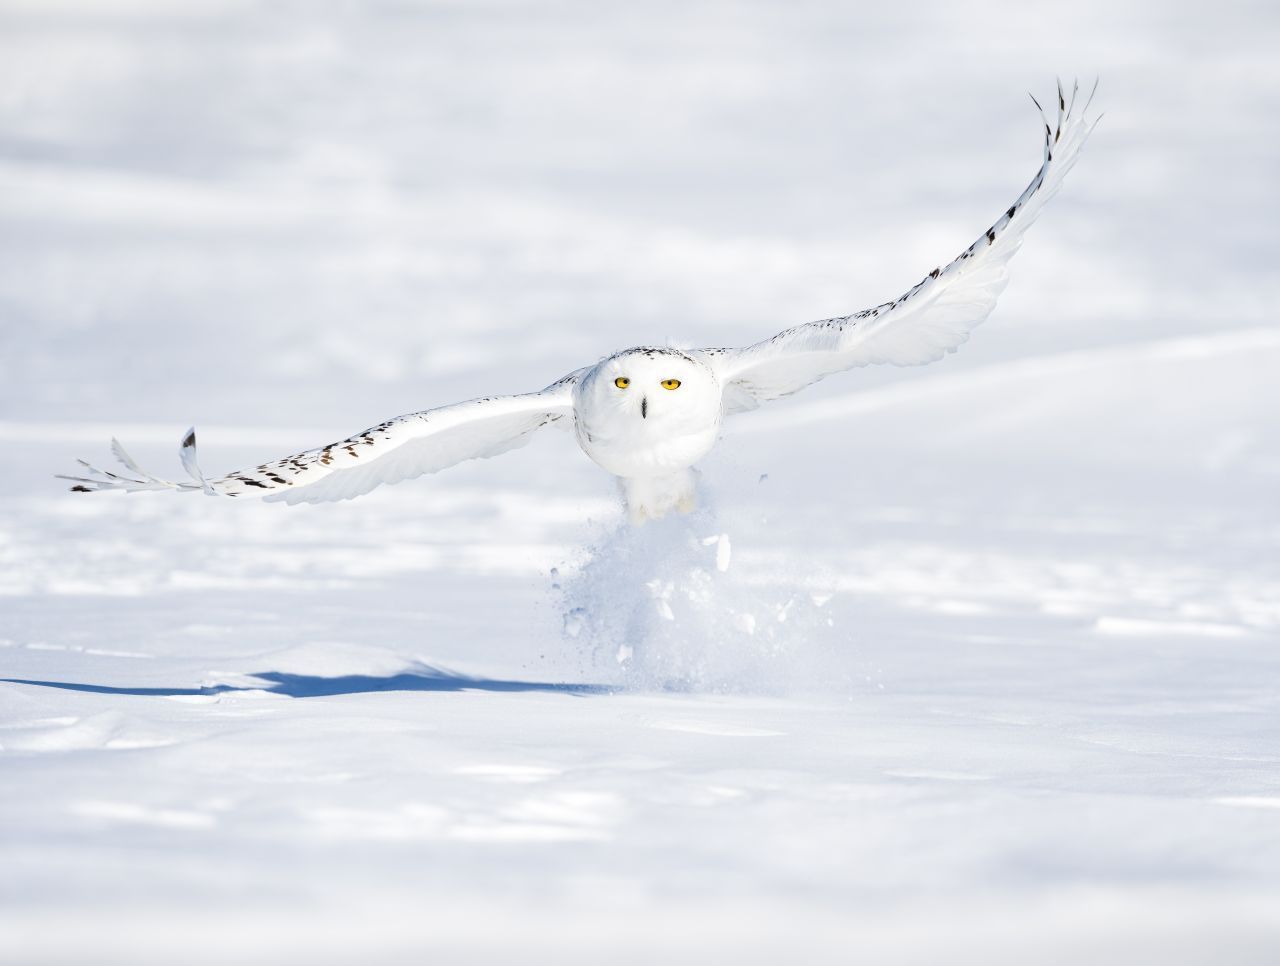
<point>312,686</point>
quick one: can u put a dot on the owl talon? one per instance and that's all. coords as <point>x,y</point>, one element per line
<point>653,497</point>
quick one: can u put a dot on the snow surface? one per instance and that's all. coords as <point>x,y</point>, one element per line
<point>993,679</point>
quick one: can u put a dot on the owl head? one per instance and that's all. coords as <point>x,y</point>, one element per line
<point>650,392</point>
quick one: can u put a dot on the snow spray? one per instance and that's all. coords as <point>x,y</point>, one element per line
<point>666,606</point>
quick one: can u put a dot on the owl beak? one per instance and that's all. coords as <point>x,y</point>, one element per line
<point>644,407</point>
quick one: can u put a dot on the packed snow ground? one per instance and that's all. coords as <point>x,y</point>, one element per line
<point>972,663</point>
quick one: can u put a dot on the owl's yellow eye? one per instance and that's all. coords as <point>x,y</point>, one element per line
<point>670,383</point>
<point>622,382</point>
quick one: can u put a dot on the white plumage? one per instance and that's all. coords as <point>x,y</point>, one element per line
<point>647,415</point>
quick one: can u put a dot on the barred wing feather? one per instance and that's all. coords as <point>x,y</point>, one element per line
<point>925,323</point>
<point>399,449</point>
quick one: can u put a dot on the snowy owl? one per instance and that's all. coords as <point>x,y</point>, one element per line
<point>648,415</point>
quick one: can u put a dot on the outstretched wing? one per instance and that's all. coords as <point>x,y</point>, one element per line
<point>399,449</point>
<point>923,324</point>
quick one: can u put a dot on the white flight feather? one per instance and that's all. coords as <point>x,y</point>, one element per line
<point>399,449</point>
<point>930,320</point>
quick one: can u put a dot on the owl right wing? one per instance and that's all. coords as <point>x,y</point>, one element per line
<point>399,449</point>
<point>922,325</point>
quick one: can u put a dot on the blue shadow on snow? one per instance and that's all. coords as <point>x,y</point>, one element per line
<point>311,686</point>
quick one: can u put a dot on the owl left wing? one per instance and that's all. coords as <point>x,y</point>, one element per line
<point>923,324</point>
<point>399,449</point>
